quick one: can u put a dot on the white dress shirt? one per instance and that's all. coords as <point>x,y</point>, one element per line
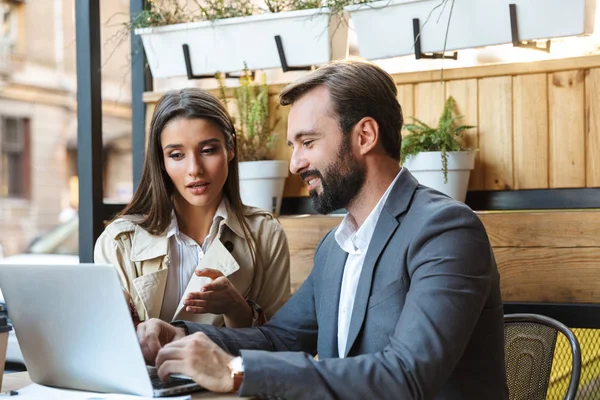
<point>355,241</point>
<point>185,254</point>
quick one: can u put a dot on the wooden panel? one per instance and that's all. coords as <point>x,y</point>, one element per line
<point>543,229</point>
<point>406,98</point>
<point>505,229</point>
<point>542,256</point>
<point>429,102</point>
<point>530,131</point>
<point>495,132</point>
<point>485,71</point>
<point>304,234</point>
<point>278,118</point>
<point>465,94</point>
<point>592,111</point>
<point>509,69</point>
<point>567,129</point>
<point>568,275</point>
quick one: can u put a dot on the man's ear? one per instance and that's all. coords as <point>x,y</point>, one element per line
<point>367,134</point>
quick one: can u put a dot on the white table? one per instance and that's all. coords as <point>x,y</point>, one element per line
<point>18,380</point>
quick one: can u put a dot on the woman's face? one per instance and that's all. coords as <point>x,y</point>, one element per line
<point>196,159</point>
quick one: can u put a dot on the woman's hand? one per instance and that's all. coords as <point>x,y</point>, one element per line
<point>220,297</point>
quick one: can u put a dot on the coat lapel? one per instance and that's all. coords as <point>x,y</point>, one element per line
<point>332,277</point>
<point>151,289</point>
<point>386,225</point>
<point>147,251</point>
<point>397,203</point>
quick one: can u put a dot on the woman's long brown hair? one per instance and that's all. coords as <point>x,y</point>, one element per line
<point>153,198</point>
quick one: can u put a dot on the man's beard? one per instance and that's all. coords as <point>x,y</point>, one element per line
<point>343,179</point>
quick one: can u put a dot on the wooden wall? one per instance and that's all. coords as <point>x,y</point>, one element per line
<point>532,129</point>
<point>547,256</point>
<point>538,123</point>
<point>551,256</point>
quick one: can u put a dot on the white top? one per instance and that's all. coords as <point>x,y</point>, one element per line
<point>185,255</point>
<point>354,241</point>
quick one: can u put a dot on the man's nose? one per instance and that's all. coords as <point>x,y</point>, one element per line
<point>297,163</point>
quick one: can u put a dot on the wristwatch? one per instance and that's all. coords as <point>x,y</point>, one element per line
<point>236,366</point>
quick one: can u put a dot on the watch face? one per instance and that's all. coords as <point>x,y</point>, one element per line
<point>236,365</point>
<point>237,372</point>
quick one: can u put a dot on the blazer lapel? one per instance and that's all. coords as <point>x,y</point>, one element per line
<point>332,277</point>
<point>386,225</point>
<point>397,203</point>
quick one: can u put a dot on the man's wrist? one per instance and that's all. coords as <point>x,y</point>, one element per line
<point>236,367</point>
<point>181,329</point>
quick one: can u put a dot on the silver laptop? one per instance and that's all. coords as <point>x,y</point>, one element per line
<point>75,330</point>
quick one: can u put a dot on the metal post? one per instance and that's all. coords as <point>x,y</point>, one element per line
<point>89,126</point>
<point>138,87</point>
<point>417,37</point>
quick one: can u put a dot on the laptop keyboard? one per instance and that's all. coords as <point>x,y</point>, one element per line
<point>171,382</point>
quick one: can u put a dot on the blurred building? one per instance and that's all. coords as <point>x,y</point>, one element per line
<point>38,113</point>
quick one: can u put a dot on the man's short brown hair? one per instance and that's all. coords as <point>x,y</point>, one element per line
<point>358,89</point>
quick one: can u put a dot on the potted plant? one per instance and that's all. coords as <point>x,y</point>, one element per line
<point>262,179</point>
<point>435,156</point>
<point>223,34</point>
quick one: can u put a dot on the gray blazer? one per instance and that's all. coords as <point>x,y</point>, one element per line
<point>427,318</point>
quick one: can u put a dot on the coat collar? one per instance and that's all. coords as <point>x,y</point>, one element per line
<point>402,193</point>
<point>146,246</point>
<point>231,220</point>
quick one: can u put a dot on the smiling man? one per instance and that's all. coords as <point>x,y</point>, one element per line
<point>403,300</point>
<point>317,153</point>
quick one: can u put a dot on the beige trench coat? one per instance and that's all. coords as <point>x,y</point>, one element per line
<point>142,260</point>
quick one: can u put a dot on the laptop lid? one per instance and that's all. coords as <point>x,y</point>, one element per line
<point>74,327</point>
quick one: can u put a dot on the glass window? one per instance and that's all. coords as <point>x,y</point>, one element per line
<point>14,157</point>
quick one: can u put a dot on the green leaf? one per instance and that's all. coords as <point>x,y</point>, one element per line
<point>442,138</point>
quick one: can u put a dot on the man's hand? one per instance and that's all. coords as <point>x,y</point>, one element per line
<point>154,334</point>
<point>220,297</point>
<point>199,358</point>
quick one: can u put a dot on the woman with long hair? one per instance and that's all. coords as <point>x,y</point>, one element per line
<point>188,200</point>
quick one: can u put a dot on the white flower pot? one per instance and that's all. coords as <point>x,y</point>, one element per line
<point>224,45</point>
<point>427,168</point>
<point>262,182</point>
<point>385,28</point>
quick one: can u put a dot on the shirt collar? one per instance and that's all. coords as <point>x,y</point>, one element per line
<point>223,216</point>
<point>174,226</point>
<point>220,214</point>
<point>355,240</point>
